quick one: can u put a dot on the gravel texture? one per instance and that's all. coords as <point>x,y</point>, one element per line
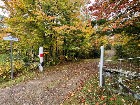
<point>49,88</point>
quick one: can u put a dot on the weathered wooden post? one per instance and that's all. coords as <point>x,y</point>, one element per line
<point>101,77</point>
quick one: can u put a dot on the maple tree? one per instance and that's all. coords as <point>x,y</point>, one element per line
<point>112,17</point>
<point>119,11</point>
<point>114,14</point>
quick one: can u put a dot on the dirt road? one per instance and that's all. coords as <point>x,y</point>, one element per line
<point>50,88</point>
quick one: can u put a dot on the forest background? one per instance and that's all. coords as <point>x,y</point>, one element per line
<point>68,30</point>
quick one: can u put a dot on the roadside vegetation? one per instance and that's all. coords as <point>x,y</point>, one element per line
<point>66,30</point>
<point>91,94</point>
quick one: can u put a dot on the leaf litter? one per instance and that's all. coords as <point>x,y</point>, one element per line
<point>51,87</point>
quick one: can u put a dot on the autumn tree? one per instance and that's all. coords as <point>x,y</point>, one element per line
<point>55,25</point>
<point>111,17</point>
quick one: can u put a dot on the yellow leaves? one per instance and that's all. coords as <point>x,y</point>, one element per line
<point>121,39</point>
<point>2,35</point>
<point>65,28</point>
<point>42,16</point>
<point>18,64</point>
<point>14,20</point>
<point>16,3</point>
<point>7,30</point>
<point>72,28</point>
<point>29,19</point>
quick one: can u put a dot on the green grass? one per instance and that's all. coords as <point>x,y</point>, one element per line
<point>92,94</point>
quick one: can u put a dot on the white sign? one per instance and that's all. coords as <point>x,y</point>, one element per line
<point>10,38</point>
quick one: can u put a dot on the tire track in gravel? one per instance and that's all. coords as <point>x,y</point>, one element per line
<point>50,89</point>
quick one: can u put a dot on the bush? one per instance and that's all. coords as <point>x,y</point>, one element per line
<point>5,68</point>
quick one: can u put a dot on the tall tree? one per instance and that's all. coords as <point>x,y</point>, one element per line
<point>36,23</point>
<point>113,17</point>
<point>115,13</point>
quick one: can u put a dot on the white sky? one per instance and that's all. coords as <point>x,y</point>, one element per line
<point>1,3</point>
<point>3,12</point>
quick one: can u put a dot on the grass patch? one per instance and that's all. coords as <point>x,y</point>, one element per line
<point>92,94</point>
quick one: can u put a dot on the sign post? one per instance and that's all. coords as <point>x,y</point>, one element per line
<point>11,39</point>
<point>12,71</point>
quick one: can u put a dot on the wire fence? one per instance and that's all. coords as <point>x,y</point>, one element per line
<point>123,76</point>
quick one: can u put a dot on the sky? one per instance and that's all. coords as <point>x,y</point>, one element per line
<point>1,3</point>
<point>2,12</point>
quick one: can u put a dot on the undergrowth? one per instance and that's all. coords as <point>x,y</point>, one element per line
<point>92,94</point>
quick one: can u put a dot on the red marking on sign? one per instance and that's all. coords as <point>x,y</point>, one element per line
<point>41,55</point>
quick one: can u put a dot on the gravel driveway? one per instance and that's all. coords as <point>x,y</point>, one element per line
<point>51,88</point>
